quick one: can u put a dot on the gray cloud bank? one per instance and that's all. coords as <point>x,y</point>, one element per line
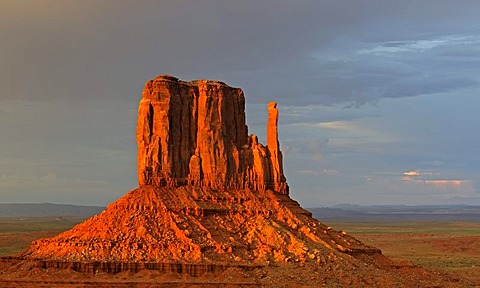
<point>84,49</point>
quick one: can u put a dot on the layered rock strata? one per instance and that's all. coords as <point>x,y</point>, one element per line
<point>194,133</point>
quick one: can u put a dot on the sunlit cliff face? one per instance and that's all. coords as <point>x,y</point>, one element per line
<point>195,133</point>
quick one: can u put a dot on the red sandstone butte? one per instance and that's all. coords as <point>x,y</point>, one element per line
<point>209,192</point>
<point>212,202</point>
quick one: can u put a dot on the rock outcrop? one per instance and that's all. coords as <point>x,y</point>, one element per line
<point>276,160</point>
<point>194,133</point>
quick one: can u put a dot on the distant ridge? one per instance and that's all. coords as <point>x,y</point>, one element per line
<point>341,211</point>
<point>47,209</point>
<point>399,212</point>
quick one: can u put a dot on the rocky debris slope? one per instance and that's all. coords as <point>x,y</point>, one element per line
<point>190,224</point>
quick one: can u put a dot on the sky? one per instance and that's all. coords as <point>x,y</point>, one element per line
<point>378,100</point>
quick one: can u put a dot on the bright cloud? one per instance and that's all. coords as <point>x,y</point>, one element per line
<point>426,178</point>
<point>449,184</point>
<point>411,173</point>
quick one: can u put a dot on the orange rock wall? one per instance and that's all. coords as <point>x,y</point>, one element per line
<point>194,133</point>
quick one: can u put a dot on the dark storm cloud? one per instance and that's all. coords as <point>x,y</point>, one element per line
<point>91,49</point>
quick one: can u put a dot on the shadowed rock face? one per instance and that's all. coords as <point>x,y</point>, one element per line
<point>194,133</point>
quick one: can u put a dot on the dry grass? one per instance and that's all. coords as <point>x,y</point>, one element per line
<point>17,233</point>
<point>453,247</point>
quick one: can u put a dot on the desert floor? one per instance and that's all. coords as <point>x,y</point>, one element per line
<point>452,247</point>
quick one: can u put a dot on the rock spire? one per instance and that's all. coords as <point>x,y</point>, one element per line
<point>194,133</point>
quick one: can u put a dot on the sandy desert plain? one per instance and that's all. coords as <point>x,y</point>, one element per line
<point>449,246</point>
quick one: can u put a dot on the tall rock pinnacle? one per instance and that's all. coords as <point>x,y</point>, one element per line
<point>274,148</point>
<point>194,133</point>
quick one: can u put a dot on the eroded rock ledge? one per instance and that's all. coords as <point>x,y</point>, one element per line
<point>194,133</point>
